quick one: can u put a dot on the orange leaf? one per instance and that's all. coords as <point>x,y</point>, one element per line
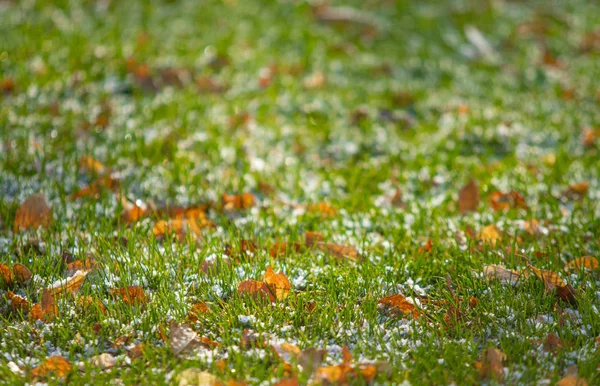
<point>505,201</point>
<point>554,284</point>
<point>88,302</point>
<point>255,289</point>
<point>33,212</point>
<point>398,304</point>
<point>311,238</point>
<point>576,191</point>
<point>70,285</point>
<point>323,208</point>
<point>56,364</point>
<point>132,295</point>
<point>490,235</point>
<point>94,189</point>
<point>17,303</point>
<point>340,251</point>
<point>282,248</point>
<point>6,276</point>
<point>22,274</point>
<point>36,313</point>
<point>468,197</point>
<point>572,380</point>
<point>490,364</point>
<point>81,265</point>
<point>48,306</point>
<point>196,310</point>
<point>91,165</point>
<point>238,201</point>
<point>278,283</point>
<point>176,227</point>
<point>587,262</point>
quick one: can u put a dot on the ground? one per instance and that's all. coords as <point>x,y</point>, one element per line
<point>155,156</point>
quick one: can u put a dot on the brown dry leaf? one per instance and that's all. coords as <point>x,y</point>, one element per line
<point>132,295</point>
<point>314,80</point>
<point>71,285</point>
<point>81,265</point>
<point>554,284</point>
<point>17,303</point>
<point>323,208</point>
<point>6,276</point>
<point>35,313</point>
<point>504,201</point>
<point>311,359</point>
<point>293,381</point>
<point>137,351</point>
<point>282,249</point>
<point>340,251</point>
<point>572,380</point>
<point>184,339</point>
<point>490,235</point>
<point>552,343</point>
<point>87,302</point>
<point>22,274</point>
<point>255,289</point>
<point>177,227</point>
<point>278,283</point>
<point>576,191</point>
<point>428,247</point>
<point>490,365</point>
<point>196,310</point>
<point>238,201</point>
<point>33,212</point>
<point>91,165</point>
<point>587,262</point>
<point>55,365</point>
<point>504,275</point>
<point>468,197</point>
<point>48,306</point>
<point>94,189</point>
<point>398,305</point>
<point>590,136</point>
<point>311,238</point>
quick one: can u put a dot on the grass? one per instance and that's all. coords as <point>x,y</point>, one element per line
<point>415,107</point>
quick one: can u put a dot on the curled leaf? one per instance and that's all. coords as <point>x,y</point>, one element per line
<point>56,365</point>
<point>398,305</point>
<point>587,262</point>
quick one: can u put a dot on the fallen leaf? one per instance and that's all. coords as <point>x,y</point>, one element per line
<point>132,295</point>
<point>314,80</point>
<point>490,365</point>
<point>311,359</point>
<point>587,262</point>
<point>17,303</point>
<point>6,276</point>
<point>22,274</point>
<point>137,351</point>
<point>510,200</point>
<point>87,302</point>
<point>504,275</point>
<point>176,227</point>
<point>35,313</point>
<point>103,361</point>
<point>398,305</point>
<point>468,197</point>
<point>323,208</point>
<point>576,191</point>
<point>185,340</point>
<point>278,283</point>
<point>554,284</point>
<point>92,190</point>
<point>256,289</point>
<point>195,377</point>
<point>70,285</point>
<point>195,311</point>
<point>91,165</point>
<point>572,380</point>
<point>282,249</point>
<point>56,365</point>
<point>340,251</point>
<point>81,265</point>
<point>490,235</point>
<point>33,212</point>
<point>590,136</point>
<point>552,343</point>
<point>238,201</point>
<point>49,310</point>
<point>293,381</point>
<point>311,238</point>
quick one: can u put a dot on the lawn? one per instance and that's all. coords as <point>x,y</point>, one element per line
<point>292,192</point>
